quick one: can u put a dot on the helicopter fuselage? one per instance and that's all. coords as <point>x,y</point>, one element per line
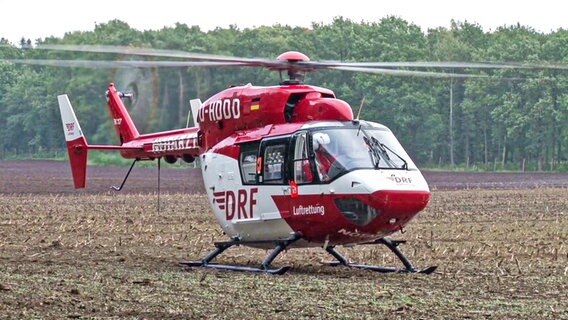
<point>280,161</point>
<point>256,184</point>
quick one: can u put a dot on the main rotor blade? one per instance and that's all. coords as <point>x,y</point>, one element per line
<point>303,65</point>
<point>120,64</point>
<point>409,73</point>
<point>157,53</point>
<point>449,64</point>
<point>98,64</point>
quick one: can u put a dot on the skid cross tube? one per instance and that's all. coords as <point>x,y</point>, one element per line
<point>220,247</point>
<point>393,246</point>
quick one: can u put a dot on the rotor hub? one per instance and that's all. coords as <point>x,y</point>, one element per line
<point>295,73</point>
<point>293,56</point>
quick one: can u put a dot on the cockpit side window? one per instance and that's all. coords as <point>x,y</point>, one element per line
<point>324,155</point>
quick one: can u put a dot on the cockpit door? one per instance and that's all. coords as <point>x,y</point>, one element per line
<point>306,202</point>
<point>302,169</point>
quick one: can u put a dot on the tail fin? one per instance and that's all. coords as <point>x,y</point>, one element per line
<point>122,121</point>
<point>76,143</point>
<point>195,105</point>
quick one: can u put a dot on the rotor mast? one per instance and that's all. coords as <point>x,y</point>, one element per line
<point>292,65</point>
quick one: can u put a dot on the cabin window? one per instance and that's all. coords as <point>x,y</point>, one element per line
<point>248,159</point>
<point>265,162</point>
<point>274,156</point>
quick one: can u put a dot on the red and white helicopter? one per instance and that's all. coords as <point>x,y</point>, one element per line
<point>284,166</point>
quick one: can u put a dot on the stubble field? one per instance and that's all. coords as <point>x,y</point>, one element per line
<point>500,241</point>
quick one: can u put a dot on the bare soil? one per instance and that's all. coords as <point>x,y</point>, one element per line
<point>500,241</point>
<point>47,176</point>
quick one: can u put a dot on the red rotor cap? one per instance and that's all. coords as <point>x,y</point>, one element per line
<point>293,56</point>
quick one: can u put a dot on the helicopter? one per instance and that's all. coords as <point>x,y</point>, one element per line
<point>285,166</point>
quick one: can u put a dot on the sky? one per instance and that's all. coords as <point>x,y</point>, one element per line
<point>40,19</point>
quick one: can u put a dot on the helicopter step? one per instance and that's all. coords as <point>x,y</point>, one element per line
<point>393,246</point>
<point>220,247</point>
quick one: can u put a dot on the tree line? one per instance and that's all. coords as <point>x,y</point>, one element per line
<point>513,118</point>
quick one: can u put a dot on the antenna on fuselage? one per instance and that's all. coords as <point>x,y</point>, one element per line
<point>360,108</point>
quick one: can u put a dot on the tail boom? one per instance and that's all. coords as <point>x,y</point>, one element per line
<point>173,144</point>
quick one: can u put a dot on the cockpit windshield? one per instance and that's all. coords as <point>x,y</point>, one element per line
<point>340,150</point>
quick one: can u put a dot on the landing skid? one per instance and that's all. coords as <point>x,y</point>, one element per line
<point>281,245</point>
<point>220,247</point>
<point>393,246</point>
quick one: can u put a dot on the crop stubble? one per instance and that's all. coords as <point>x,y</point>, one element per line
<point>502,254</point>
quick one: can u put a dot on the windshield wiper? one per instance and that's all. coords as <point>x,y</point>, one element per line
<point>375,154</point>
<point>380,148</point>
<point>378,151</point>
<point>384,149</point>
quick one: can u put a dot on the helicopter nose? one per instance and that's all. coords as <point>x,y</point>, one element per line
<point>401,201</point>
<point>384,210</point>
<point>397,207</point>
